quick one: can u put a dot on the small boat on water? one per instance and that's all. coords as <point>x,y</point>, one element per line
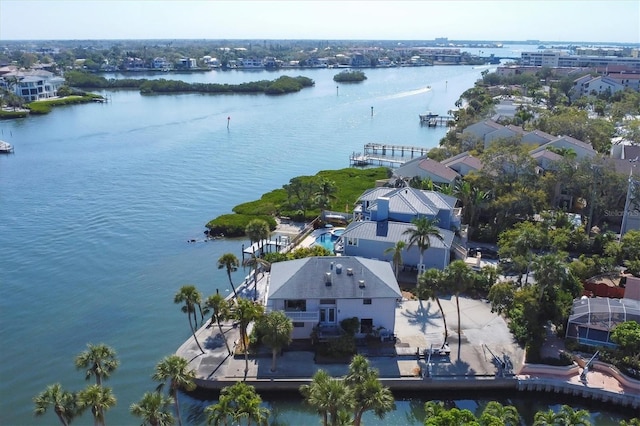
<point>5,147</point>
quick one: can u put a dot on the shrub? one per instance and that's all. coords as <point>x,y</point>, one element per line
<point>350,325</point>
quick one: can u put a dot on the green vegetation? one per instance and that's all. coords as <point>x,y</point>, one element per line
<point>281,85</point>
<point>301,199</point>
<point>7,115</point>
<point>45,106</point>
<point>349,77</point>
<point>237,403</point>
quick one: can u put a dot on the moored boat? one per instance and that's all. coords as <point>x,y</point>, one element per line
<point>5,147</point>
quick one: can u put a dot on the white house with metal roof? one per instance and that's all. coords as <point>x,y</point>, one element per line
<point>322,291</point>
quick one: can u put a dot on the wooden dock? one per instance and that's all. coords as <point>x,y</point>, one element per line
<point>434,120</point>
<point>386,155</point>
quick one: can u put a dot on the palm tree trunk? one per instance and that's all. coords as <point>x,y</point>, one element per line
<point>444,319</point>
<point>458,306</point>
<point>224,337</point>
<point>232,286</point>
<point>357,418</point>
<point>62,419</point>
<point>193,332</point>
<point>174,393</point>
<point>274,354</point>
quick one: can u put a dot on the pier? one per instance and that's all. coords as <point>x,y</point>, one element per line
<point>434,120</point>
<point>386,154</point>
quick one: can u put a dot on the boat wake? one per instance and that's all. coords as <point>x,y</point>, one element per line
<point>408,93</point>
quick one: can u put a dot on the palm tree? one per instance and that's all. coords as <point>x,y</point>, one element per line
<point>420,236</point>
<point>458,278</point>
<point>221,310</point>
<point>231,263</point>
<point>506,414</point>
<point>237,402</point>
<point>275,328</point>
<point>430,284</point>
<point>570,417</point>
<point>245,311</point>
<point>153,409</point>
<point>99,399</point>
<point>397,255</point>
<point>256,262</point>
<point>328,396</point>
<point>257,230</point>
<point>368,392</point>
<point>325,193</point>
<point>544,418</point>
<point>175,369</point>
<point>548,270</point>
<point>99,360</point>
<point>191,298</point>
<point>63,403</point>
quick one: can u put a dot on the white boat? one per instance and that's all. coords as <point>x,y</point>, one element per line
<point>5,147</point>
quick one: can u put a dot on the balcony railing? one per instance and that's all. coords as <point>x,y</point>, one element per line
<point>303,316</point>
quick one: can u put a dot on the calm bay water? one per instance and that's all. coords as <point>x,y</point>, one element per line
<point>98,202</point>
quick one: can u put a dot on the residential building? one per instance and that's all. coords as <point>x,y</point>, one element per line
<point>426,168</point>
<point>587,85</point>
<point>32,85</point>
<point>320,292</point>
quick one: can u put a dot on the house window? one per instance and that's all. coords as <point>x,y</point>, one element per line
<point>366,325</point>
<point>295,305</point>
<point>352,241</point>
<point>298,324</point>
<point>327,301</point>
<point>366,301</point>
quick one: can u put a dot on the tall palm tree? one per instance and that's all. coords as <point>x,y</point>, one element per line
<point>275,328</point>
<point>63,403</point>
<point>153,409</point>
<point>507,415</point>
<point>231,263</point>
<point>175,370</point>
<point>256,262</point>
<point>99,399</point>
<point>221,310</point>
<point>430,284</point>
<point>246,311</point>
<point>328,396</point>
<point>397,255</point>
<point>420,235</point>
<point>458,278</point>
<point>368,392</point>
<point>257,230</point>
<point>325,193</point>
<point>98,360</point>
<point>191,298</point>
<point>237,402</point>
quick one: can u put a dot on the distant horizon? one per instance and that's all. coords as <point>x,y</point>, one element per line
<point>499,20</point>
<point>262,39</point>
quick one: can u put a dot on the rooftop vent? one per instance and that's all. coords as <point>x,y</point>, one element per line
<point>350,271</point>
<point>361,283</point>
<point>338,268</point>
<point>327,279</point>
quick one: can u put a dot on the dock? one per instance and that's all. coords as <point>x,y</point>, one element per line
<point>434,120</point>
<point>5,148</point>
<point>386,155</point>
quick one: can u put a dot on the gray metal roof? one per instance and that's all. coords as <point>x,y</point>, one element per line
<point>410,200</point>
<point>368,230</point>
<point>307,279</point>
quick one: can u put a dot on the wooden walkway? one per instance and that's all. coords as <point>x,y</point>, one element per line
<point>386,154</point>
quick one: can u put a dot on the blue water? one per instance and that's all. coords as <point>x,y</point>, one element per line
<point>326,240</point>
<point>98,202</point>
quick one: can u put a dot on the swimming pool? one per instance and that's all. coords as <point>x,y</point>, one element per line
<point>328,239</point>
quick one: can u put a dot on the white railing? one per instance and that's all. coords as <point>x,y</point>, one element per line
<point>303,316</point>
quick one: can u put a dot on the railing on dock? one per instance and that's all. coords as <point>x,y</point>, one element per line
<point>386,154</point>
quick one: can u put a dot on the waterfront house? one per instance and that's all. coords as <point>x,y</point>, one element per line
<point>385,214</point>
<point>463,163</point>
<point>371,239</point>
<point>32,85</point>
<point>426,168</point>
<point>322,291</point>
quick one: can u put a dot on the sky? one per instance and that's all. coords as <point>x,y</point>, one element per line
<point>544,20</point>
